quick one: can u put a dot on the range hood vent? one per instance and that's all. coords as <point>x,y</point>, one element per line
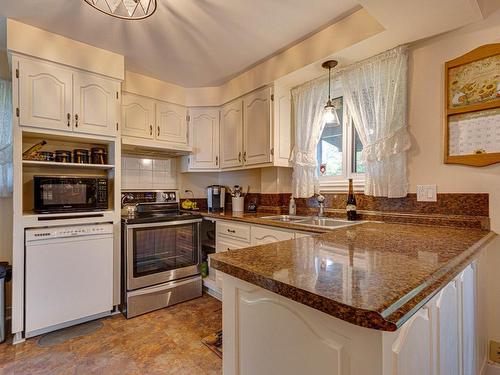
<point>138,147</point>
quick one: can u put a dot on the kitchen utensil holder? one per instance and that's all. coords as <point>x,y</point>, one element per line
<point>238,204</point>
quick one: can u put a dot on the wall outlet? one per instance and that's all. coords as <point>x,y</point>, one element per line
<point>495,351</point>
<point>426,193</point>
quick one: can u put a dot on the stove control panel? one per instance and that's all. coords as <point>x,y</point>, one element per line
<point>68,231</point>
<point>133,197</point>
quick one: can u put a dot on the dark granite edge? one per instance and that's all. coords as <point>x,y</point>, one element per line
<point>439,280</point>
<point>360,317</point>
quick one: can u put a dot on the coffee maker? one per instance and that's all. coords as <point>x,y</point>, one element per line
<point>216,196</point>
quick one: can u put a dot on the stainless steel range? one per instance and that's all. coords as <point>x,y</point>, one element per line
<point>161,252</point>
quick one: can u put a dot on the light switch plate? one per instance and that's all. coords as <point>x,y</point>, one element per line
<point>426,193</point>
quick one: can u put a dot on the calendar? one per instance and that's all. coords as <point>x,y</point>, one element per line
<point>474,133</point>
<point>472,111</point>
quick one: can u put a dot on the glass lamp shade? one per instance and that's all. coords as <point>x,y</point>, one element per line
<point>125,9</point>
<point>330,115</point>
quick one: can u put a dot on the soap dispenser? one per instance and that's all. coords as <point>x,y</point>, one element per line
<point>292,207</point>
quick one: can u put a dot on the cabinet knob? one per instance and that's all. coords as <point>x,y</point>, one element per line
<point>69,119</point>
<point>245,157</point>
<point>150,129</point>
<point>76,121</point>
<point>216,161</point>
<point>158,132</point>
<point>239,157</point>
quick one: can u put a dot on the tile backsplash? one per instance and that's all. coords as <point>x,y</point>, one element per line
<point>148,173</point>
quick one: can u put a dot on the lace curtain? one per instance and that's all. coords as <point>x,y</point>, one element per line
<point>375,91</point>
<point>308,101</point>
<point>5,138</point>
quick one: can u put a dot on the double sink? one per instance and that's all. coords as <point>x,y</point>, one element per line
<point>314,221</point>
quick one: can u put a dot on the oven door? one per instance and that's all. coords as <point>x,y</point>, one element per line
<point>162,252</point>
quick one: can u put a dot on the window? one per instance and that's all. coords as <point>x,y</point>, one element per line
<point>339,152</point>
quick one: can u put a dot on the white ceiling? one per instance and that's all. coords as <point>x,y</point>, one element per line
<point>192,43</point>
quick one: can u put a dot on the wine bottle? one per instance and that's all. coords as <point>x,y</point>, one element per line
<point>351,203</point>
<point>31,152</point>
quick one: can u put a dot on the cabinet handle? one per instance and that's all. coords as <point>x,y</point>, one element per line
<point>76,121</point>
<point>150,129</point>
<point>216,161</point>
<point>231,231</point>
<point>69,120</point>
<point>245,157</point>
<point>239,157</point>
<point>158,133</point>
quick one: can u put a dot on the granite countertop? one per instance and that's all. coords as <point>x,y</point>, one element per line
<point>374,275</point>
<point>256,218</point>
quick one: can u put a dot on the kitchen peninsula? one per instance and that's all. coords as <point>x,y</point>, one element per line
<point>373,298</point>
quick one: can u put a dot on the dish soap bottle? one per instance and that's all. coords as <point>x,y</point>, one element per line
<point>292,207</point>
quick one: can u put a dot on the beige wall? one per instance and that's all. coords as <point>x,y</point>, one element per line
<point>426,125</point>
<point>426,111</point>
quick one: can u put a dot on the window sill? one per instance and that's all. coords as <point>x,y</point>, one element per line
<point>341,186</point>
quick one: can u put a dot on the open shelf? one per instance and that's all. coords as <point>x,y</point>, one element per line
<point>66,165</point>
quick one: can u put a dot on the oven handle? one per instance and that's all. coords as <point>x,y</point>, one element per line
<point>163,223</point>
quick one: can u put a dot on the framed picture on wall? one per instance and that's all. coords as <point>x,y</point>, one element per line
<point>472,115</point>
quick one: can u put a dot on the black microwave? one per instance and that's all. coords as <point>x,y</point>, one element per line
<point>70,194</point>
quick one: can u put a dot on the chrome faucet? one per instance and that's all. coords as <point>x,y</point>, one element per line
<point>321,201</point>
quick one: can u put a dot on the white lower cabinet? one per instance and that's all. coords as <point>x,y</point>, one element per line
<point>264,235</point>
<point>265,333</point>
<point>412,351</point>
<point>447,324</point>
<point>441,338</point>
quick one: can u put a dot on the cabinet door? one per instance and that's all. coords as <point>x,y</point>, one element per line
<point>204,135</point>
<point>469,326</point>
<point>231,135</point>
<point>257,127</point>
<point>261,236</point>
<point>96,104</point>
<point>171,123</point>
<point>45,92</point>
<point>447,327</point>
<point>138,116</point>
<point>412,350</point>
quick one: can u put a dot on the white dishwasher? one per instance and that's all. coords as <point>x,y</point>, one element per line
<point>68,276</point>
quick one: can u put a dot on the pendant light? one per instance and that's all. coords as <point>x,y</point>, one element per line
<point>125,9</point>
<point>330,115</point>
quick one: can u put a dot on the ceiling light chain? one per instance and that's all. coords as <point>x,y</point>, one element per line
<point>125,9</point>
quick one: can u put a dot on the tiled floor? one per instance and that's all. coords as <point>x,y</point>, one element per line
<point>163,342</point>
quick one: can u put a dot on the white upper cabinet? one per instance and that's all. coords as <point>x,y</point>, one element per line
<point>57,98</point>
<point>45,95</point>
<point>96,104</point>
<point>204,136</point>
<point>138,116</point>
<point>257,127</point>
<point>231,135</point>
<point>171,124</point>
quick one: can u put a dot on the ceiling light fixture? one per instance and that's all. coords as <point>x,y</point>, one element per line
<point>330,115</point>
<point>125,9</point>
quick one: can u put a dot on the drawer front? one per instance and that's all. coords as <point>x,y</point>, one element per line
<point>302,234</point>
<point>233,230</point>
<point>226,244</point>
<point>262,235</point>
